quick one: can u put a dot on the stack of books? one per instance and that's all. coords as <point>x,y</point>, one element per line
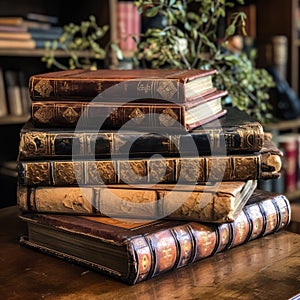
<point>138,172</point>
<point>28,32</point>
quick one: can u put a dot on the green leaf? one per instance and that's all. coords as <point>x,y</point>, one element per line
<point>230,30</point>
<point>153,11</point>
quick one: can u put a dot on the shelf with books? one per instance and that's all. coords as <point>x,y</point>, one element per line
<point>38,53</point>
<point>29,61</point>
<point>285,11</point>
<point>286,137</point>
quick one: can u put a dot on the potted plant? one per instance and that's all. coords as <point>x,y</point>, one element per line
<point>83,47</point>
<point>189,40</point>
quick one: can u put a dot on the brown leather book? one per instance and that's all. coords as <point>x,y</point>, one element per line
<point>84,85</point>
<point>234,132</point>
<point>138,114</point>
<point>133,251</point>
<point>265,164</point>
<point>208,203</point>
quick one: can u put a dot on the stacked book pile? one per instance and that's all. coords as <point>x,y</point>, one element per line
<point>28,32</point>
<point>138,172</point>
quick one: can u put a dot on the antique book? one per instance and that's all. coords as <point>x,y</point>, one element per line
<point>136,114</point>
<point>265,164</point>
<point>137,251</point>
<point>289,143</point>
<point>13,93</point>
<point>18,44</point>
<point>3,97</point>
<point>128,25</point>
<point>171,85</point>
<point>22,22</point>
<point>234,132</point>
<point>208,203</point>
<point>19,36</point>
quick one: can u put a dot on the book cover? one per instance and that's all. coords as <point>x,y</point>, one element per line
<point>135,115</point>
<point>265,164</point>
<point>207,203</point>
<point>84,85</point>
<point>289,143</point>
<point>21,21</point>
<point>15,36</point>
<point>18,44</point>
<point>13,92</point>
<point>128,25</point>
<point>234,132</point>
<point>3,97</point>
<point>137,251</point>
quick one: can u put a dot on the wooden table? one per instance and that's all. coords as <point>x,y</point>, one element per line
<point>267,268</point>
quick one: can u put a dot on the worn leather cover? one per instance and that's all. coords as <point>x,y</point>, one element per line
<point>133,252</point>
<point>141,114</point>
<point>84,85</point>
<point>265,164</point>
<point>209,203</point>
<point>234,132</point>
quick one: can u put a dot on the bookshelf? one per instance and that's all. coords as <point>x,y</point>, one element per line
<point>276,17</point>
<point>273,18</point>
<point>29,61</point>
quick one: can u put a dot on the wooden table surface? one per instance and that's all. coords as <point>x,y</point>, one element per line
<point>267,268</point>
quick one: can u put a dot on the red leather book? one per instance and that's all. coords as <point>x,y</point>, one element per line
<point>139,114</point>
<point>288,144</point>
<point>177,86</point>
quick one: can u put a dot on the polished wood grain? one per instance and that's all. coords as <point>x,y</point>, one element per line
<point>267,268</point>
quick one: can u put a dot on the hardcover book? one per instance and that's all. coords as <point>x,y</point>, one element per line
<point>265,164</point>
<point>234,132</point>
<point>136,251</point>
<point>136,114</point>
<point>208,203</point>
<point>171,85</point>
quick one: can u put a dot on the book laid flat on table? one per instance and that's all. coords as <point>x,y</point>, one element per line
<point>234,132</point>
<point>133,252</point>
<point>208,203</point>
<point>265,164</point>
<point>141,113</point>
<point>84,85</point>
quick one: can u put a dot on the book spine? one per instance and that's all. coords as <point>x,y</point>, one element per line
<point>13,92</point>
<point>19,44</point>
<point>136,16</point>
<point>173,248</point>
<point>3,98</point>
<point>122,24</point>
<point>113,116</point>
<point>53,89</point>
<point>171,170</point>
<point>45,144</point>
<point>127,202</point>
<point>288,143</point>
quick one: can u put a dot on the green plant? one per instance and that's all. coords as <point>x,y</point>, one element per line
<point>85,38</point>
<point>189,40</point>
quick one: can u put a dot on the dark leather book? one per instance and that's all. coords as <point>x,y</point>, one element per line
<point>265,164</point>
<point>136,251</point>
<point>134,114</point>
<point>208,203</point>
<point>84,85</point>
<point>234,132</point>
